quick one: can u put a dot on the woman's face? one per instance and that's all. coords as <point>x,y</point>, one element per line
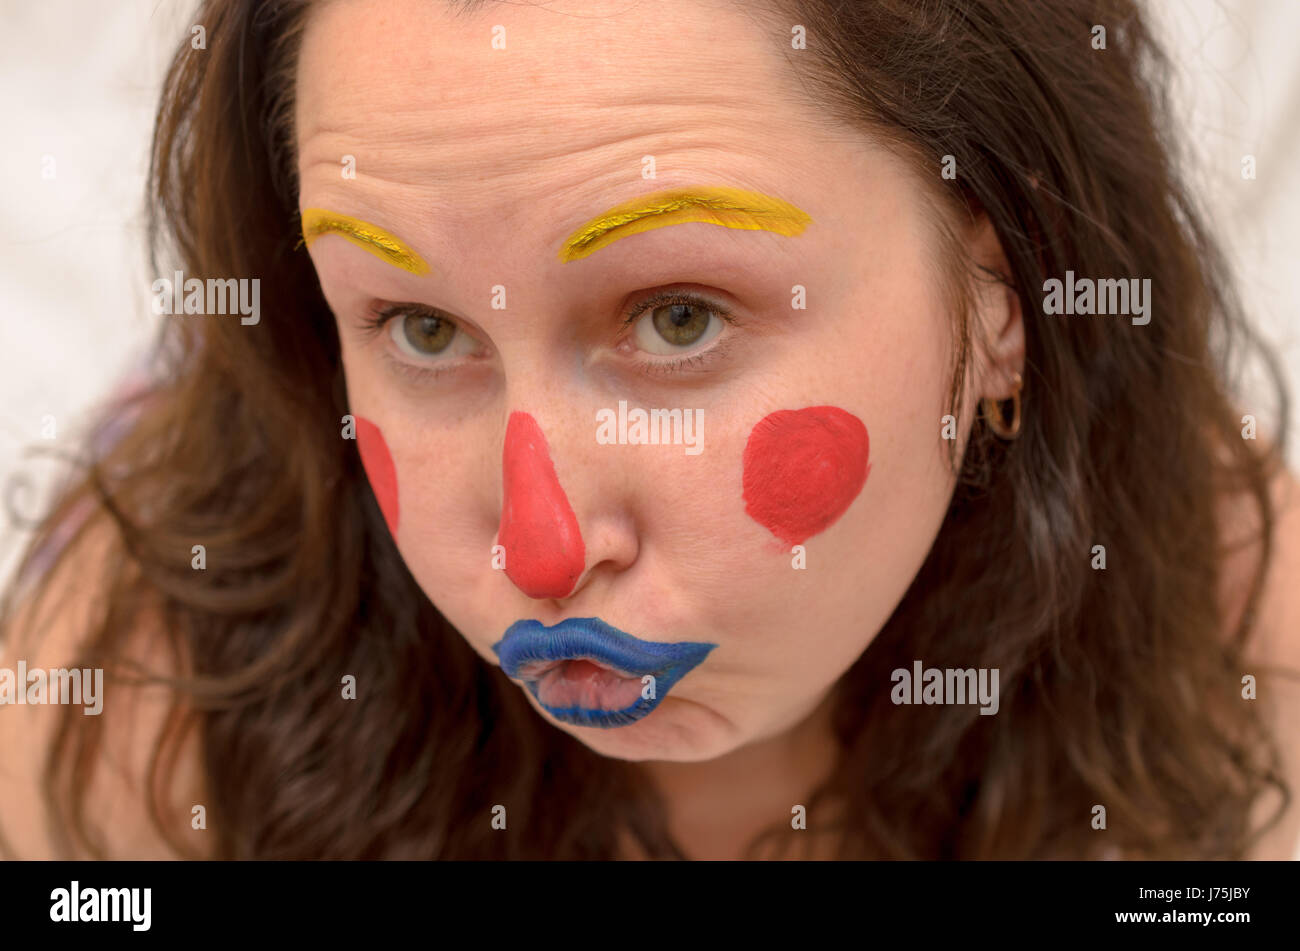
<point>488,409</point>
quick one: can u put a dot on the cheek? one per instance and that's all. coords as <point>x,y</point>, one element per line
<point>802,470</point>
<point>378,463</point>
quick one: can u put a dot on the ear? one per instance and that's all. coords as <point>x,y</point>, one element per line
<point>998,325</point>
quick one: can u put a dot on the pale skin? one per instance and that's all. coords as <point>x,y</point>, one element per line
<point>445,164</point>
<point>449,160</point>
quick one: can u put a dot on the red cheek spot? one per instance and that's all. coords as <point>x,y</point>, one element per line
<point>378,463</point>
<point>802,470</point>
<point>544,550</point>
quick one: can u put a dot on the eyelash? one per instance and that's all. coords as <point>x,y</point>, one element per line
<point>695,361</point>
<point>375,320</point>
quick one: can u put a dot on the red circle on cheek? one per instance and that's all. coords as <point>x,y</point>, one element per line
<point>378,463</point>
<point>803,468</point>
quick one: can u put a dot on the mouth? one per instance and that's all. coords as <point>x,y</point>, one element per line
<point>588,673</point>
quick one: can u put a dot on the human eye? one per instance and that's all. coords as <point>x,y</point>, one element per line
<point>427,341</point>
<point>676,328</point>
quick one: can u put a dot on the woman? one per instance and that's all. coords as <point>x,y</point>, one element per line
<point>680,430</point>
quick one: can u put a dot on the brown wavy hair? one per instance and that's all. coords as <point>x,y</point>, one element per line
<point>1119,687</point>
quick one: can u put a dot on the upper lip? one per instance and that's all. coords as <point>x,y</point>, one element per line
<point>527,642</point>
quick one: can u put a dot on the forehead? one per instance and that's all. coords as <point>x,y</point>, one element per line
<point>490,108</point>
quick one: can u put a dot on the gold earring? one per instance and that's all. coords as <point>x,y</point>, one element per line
<point>992,412</point>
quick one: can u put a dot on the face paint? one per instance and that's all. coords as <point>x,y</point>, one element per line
<point>318,221</point>
<point>802,470</point>
<point>729,207</point>
<point>589,673</point>
<point>544,550</point>
<point>378,463</point>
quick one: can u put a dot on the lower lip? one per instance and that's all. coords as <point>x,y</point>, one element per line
<point>583,684</point>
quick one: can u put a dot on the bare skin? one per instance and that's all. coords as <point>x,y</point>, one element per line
<point>47,635</point>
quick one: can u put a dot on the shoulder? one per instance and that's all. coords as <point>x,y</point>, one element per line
<point>48,631</point>
<point>1272,654</point>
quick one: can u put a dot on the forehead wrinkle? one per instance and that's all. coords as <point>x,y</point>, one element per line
<point>551,199</point>
<point>539,164</point>
<point>545,134</point>
<point>378,110</point>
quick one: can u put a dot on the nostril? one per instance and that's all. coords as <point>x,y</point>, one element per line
<point>545,554</point>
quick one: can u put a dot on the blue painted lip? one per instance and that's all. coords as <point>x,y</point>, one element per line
<point>590,638</point>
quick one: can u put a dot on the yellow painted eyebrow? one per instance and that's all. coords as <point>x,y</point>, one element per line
<point>318,221</point>
<point>718,205</point>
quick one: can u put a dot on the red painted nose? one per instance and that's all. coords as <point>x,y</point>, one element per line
<point>544,551</point>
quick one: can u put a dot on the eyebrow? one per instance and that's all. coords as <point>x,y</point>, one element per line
<point>718,205</point>
<point>380,243</point>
